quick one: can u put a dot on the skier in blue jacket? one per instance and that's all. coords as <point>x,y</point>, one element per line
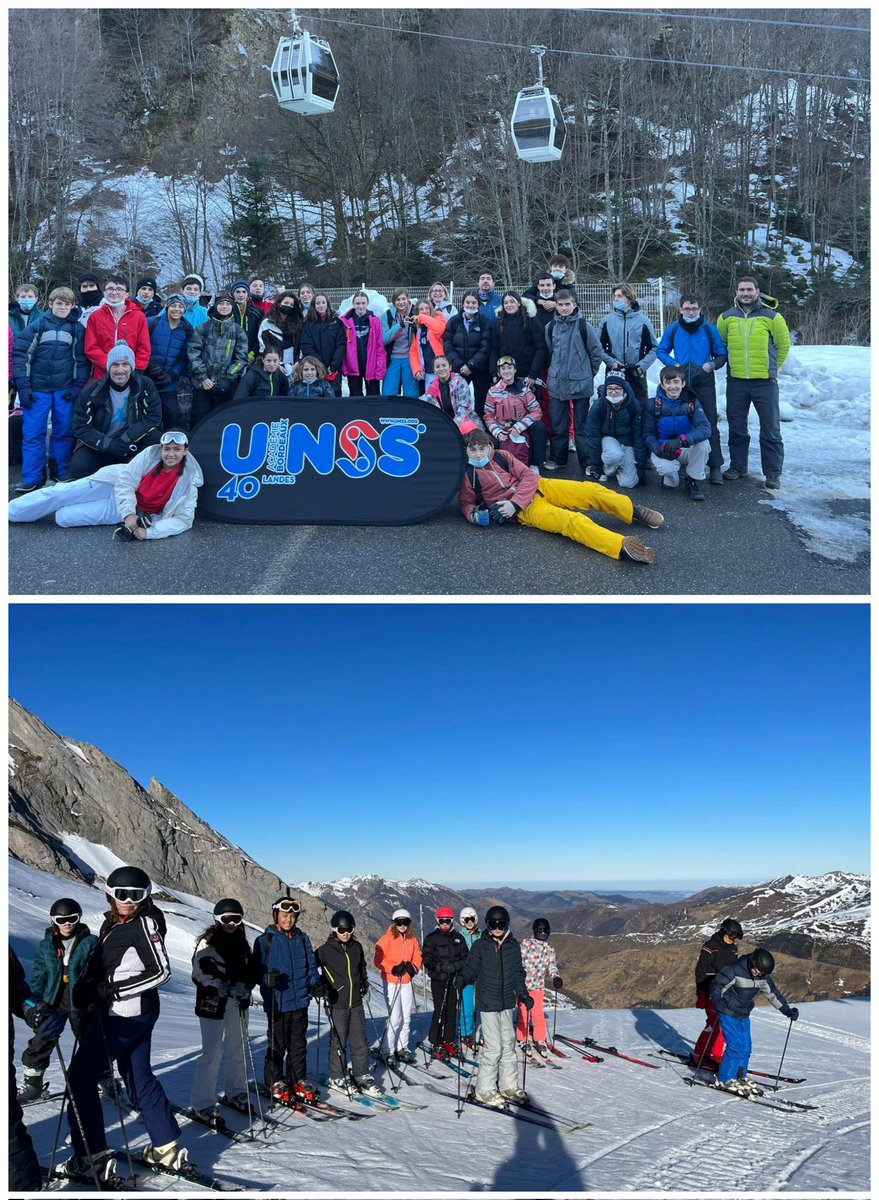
<point>676,431</point>
<point>734,993</point>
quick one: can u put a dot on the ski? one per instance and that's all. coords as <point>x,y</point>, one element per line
<point>218,1125</point>
<point>537,1060</point>
<point>110,1182</point>
<point>759,1097</point>
<point>469,1062</point>
<point>530,1116</point>
<point>578,1042</point>
<point>382,1101</point>
<point>268,1121</point>
<point>191,1174</point>
<point>555,1050</point>
<point>687,1059</point>
<point>334,1110</point>
<point>294,1106</point>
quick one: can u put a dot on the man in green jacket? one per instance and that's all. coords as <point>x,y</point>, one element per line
<point>759,341</point>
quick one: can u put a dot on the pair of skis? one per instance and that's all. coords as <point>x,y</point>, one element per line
<point>688,1060</point>
<point>520,1110</point>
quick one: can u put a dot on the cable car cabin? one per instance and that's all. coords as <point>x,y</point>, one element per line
<point>304,75</point>
<point>538,126</point>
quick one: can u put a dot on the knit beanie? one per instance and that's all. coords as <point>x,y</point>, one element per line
<point>121,352</point>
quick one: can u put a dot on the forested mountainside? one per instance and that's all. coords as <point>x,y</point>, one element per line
<point>150,139</point>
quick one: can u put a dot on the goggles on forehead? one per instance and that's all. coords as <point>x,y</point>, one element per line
<point>287,906</point>
<point>128,895</point>
<point>174,435</point>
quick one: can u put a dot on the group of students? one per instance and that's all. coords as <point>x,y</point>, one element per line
<point>106,985</point>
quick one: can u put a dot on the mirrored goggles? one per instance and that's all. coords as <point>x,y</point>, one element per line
<point>174,435</point>
<point>129,895</point>
<point>74,920</point>
<point>287,906</point>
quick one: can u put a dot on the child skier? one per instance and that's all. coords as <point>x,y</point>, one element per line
<point>343,985</point>
<point>398,957</point>
<point>444,953</point>
<point>539,960</point>
<point>734,993</point>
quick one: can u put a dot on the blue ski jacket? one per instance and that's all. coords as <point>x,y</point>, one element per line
<point>292,955</point>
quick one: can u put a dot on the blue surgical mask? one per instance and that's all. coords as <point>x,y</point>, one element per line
<point>479,462</point>
<point>26,303</point>
<point>621,305</point>
<point>557,274</point>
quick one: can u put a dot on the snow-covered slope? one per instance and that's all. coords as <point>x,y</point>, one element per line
<point>647,1133</point>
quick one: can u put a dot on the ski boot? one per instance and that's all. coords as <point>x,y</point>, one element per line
<point>405,1056</point>
<point>514,1093</point>
<point>541,1050</point>
<point>240,1101</point>
<point>304,1091</point>
<point>172,1156</point>
<point>102,1164</point>
<point>366,1084</point>
<point>32,1088</point>
<point>490,1099</point>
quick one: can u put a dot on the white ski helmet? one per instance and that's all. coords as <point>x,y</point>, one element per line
<point>401,914</point>
<point>469,912</point>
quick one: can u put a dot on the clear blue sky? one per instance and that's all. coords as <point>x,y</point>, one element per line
<point>471,743</point>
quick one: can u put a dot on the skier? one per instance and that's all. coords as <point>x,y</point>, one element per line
<point>344,983</point>
<point>398,957</point>
<point>121,985</point>
<point>24,1167</point>
<point>223,974</point>
<point>539,960</point>
<point>444,953</point>
<point>495,966</point>
<point>471,934</point>
<point>285,966</point>
<point>718,952</point>
<point>734,993</point>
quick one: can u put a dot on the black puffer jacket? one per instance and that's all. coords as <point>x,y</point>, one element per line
<point>471,349</point>
<point>519,337</point>
<point>623,422</point>
<point>713,957</point>
<point>325,340</point>
<point>444,953</point>
<point>93,413</point>
<point>343,967</point>
<point>496,969</point>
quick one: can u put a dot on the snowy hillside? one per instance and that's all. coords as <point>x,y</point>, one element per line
<point>647,1132</point>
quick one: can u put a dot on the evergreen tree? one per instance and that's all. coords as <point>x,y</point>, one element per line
<point>254,235</point>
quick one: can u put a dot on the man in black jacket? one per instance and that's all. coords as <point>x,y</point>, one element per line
<point>718,952</point>
<point>494,964</point>
<point>115,417</point>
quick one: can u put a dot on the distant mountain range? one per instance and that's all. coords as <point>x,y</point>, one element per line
<point>615,951</point>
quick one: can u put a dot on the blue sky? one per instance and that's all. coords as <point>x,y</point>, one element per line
<point>481,743</point>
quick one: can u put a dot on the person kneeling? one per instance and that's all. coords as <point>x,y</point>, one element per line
<point>677,433</point>
<point>153,496</point>
<point>498,488</point>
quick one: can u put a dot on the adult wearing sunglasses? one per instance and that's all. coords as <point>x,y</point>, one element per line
<point>286,968</point>
<point>59,962</point>
<point>224,975</point>
<point>444,953</point>
<point>471,934</point>
<point>153,496</point>
<point>494,965</point>
<point>120,986</point>
<point>398,957</point>
<point>734,992</point>
<point>718,952</point>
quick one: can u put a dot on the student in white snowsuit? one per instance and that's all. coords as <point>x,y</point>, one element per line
<point>398,957</point>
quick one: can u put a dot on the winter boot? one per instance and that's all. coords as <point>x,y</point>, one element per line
<point>647,516</point>
<point>31,1088</point>
<point>694,489</point>
<point>172,1155</point>
<point>733,473</point>
<point>635,550</point>
<point>490,1099</point>
<point>772,482</point>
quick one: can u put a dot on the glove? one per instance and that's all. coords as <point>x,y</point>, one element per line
<point>557,982</point>
<point>52,1027</point>
<point>105,993</point>
<point>319,990</point>
<point>496,515</point>
<point>460,982</point>
<point>792,1014</point>
<point>670,449</point>
<point>273,979</point>
<point>119,446</point>
<point>25,397</point>
<point>399,970</point>
<point>527,1002</point>
<point>331,375</point>
<point>684,440</point>
<point>72,394</point>
<point>240,991</point>
<point>35,1012</point>
<point>411,968</point>
<point>364,990</point>
<point>480,516</point>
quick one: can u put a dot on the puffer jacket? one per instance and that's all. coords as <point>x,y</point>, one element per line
<point>444,953</point>
<point>713,957</point>
<point>665,419</point>
<point>169,347</point>
<point>178,514</point>
<point>505,478</point>
<point>224,960</point>
<point>394,948</point>
<point>103,330</point>
<point>461,400</point>
<point>217,350</point>
<point>539,960</point>
<point>521,338</point>
<point>49,973</point>
<point>468,348</point>
<point>575,356</point>
<point>505,407</point>
<point>495,966</point>
<point>324,339</point>
<point>734,991</point>
<point>93,413</point>
<point>376,358</point>
<point>690,345</point>
<point>49,355</point>
<point>758,341</point>
<point>436,328</point>
<point>318,389</point>
<point>628,338</point>
<point>272,337</point>
<point>625,423</point>
<point>258,384</point>
<point>292,955</point>
<point>343,967</point>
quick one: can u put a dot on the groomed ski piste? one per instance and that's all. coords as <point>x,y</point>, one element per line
<point>648,1132</point>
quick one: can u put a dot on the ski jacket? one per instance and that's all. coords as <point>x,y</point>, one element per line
<point>468,348</point>
<point>196,313</point>
<point>471,938</point>
<point>50,974</point>
<point>624,422</point>
<point>495,966</point>
<point>216,964</point>
<point>460,399</point>
<point>734,991</point>
<point>665,419</point>
<point>103,330</point>
<point>444,953</point>
<point>343,966</point>
<point>505,478</point>
<point>396,330</point>
<point>93,413</point>
<point>575,356</point>
<point>218,351</point>
<point>249,319</point>
<point>376,358</point>
<point>49,355</point>
<point>539,960</point>
<point>273,337</point>
<point>131,957</point>
<point>169,346</point>
<point>318,389</point>
<point>292,955</point>
<point>258,384</point>
<point>628,338</point>
<point>713,957</point>
<point>506,407</point>
<point>758,340</point>
<point>436,328</point>
<point>394,948</point>
<point>520,337</point>
<point>325,339</point>
<point>490,306</point>
<point>446,308</point>
<point>19,319</point>
<point>178,514</point>
<point>689,346</point>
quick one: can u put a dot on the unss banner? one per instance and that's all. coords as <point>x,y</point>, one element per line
<point>373,461</point>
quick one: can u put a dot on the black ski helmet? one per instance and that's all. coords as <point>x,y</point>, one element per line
<point>228,905</point>
<point>497,912</point>
<point>731,928</point>
<point>541,929</point>
<point>65,907</point>
<point>343,921</point>
<point>129,877</point>
<point>762,960</point>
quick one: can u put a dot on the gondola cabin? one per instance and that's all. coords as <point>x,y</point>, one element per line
<point>304,75</point>
<point>538,126</point>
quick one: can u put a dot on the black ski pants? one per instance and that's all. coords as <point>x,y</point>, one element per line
<point>445,1002</point>
<point>349,1025</point>
<point>286,1055</point>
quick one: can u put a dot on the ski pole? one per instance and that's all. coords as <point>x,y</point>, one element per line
<point>116,1097</point>
<point>242,1029</point>
<point>525,1046</point>
<point>76,1113</point>
<point>317,1051</point>
<point>458,1073</point>
<point>334,1033</point>
<point>64,1099</point>
<point>555,1011</point>
<point>710,1037</point>
<point>251,1069</point>
<point>790,1026</point>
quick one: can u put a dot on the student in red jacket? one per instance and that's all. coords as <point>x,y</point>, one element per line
<point>118,319</point>
<point>498,488</point>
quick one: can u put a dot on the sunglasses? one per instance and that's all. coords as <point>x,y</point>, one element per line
<point>496,924</point>
<point>230,919</point>
<point>444,920</point>
<point>65,920</point>
<point>287,906</point>
<point>129,895</point>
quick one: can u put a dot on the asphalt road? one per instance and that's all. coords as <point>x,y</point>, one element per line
<point>730,545</point>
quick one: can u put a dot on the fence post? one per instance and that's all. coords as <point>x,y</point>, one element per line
<point>661,306</point>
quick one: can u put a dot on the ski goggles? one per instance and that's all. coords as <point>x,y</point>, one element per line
<point>498,923</point>
<point>74,920</point>
<point>469,920</point>
<point>287,906</point>
<point>444,920</point>
<point>129,895</point>
<point>177,436</point>
<point>403,921</point>
<point>230,919</point>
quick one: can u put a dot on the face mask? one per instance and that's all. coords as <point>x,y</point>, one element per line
<point>143,303</point>
<point>557,274</point>
<point>616,401</point>
<point>690,320</point>
<point>189,300</point>
<point>26,303</point>
<point>621,305</point>
<point>479,462</point>
<point>470,312</point>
